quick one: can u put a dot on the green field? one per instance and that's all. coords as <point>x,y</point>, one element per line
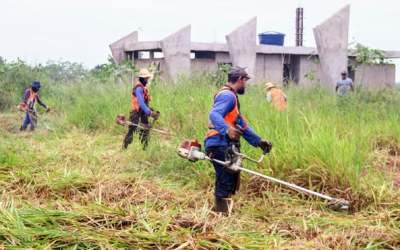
<point>69,184</point>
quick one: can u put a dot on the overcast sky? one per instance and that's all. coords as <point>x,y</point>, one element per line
<point>81,30</point>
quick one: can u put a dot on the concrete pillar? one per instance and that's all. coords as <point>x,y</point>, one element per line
<point>331,38</point>
<point>176,49</point>
<point>242,45</point>
<point>118,47</point>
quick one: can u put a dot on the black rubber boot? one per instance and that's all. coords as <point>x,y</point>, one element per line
<point>221,206</point>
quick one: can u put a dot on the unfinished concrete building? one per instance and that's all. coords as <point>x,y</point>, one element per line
<point>177,54</point>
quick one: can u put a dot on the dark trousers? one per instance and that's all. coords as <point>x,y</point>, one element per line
<point>141,119</point>
<point>30,119</point>
<point>226,181</point>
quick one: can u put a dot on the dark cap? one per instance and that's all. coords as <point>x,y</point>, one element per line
<point>238,72</point>
<point>36,84</point>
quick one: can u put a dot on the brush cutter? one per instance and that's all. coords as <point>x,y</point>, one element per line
<point>121,120</point>
<point>33,114</point>
<point>191,150</point>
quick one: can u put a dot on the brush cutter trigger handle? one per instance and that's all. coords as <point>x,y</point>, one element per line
<point>265,145</point>
<point>155,115</point>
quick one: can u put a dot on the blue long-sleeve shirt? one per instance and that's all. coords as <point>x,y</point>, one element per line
<point>142,104</point>
<point>224,102</point>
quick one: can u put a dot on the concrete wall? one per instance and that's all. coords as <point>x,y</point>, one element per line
<point>145,63</point>
<point>269,68</point>
<point>308,71</point>
<point>222,57</point>
<point>375,76</point>
<point>203,65</point>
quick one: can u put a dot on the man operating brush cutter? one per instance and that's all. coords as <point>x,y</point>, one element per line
<point>226,126</point>
<point>222,145</point>
<point>141,111</point>
<point>28,105</point>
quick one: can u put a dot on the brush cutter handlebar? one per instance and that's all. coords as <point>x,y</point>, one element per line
<point>243,156</point>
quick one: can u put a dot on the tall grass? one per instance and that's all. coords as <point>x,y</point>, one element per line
<point>320,141</point>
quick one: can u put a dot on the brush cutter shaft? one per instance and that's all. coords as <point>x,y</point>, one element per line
<point>153,129</point>
<point>340,203</point>
<point>289,185</point>
<point>284,183</point>
<point>195,154</point>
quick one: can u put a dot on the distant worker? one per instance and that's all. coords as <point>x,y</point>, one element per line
<point>140,110</point>
<point>226,126</point>
<point>276,96</point>
<point>344,85</point>
<point>28,104</point>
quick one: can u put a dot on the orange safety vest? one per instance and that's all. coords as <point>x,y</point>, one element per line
<point>32,98</point>
<point>278,99</point>
<point>134,100</point>
<point>230,118</point>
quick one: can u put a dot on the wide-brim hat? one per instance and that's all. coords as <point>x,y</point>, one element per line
<point>269,85</point>
<point>144,73</point>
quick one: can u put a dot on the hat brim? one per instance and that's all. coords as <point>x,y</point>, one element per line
<point>145,76</point>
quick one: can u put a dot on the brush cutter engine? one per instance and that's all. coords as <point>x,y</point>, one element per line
<point>120,119</point>
<point>191,150</point>
<point>22,107</point>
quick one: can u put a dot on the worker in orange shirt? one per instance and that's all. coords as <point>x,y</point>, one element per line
<point>276,96</point>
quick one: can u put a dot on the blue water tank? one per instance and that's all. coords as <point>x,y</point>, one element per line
<point>272,38</point>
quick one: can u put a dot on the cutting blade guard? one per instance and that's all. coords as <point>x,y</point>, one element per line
<point>339,205</point>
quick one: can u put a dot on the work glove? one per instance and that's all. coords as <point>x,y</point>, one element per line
<point>234,133</point>
<point>265,145</point>
<point>155,114</point>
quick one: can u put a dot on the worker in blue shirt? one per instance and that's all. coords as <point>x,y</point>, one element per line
<point>226,126</point>
<point>141,111</point>
<point>28,105</point>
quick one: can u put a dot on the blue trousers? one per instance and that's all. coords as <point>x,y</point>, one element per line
<point>30,119</point>
<point>226,182</point>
